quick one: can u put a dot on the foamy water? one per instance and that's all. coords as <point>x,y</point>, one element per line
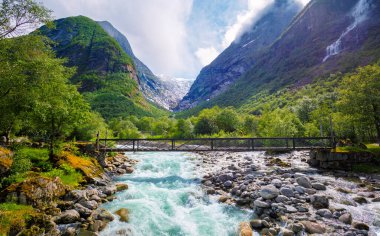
<point>165,198</point>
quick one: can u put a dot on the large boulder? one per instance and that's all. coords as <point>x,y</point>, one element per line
<point>269,192</point>
<point>36,191</point>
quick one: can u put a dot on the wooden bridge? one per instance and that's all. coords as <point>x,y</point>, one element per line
<point>213,144</point>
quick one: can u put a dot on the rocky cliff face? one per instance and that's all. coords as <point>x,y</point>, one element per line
<point>166,93</point>
<point>241,54</point>
<point>326,37</point>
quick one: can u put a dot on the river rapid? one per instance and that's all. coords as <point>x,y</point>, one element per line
<point>165,198</point>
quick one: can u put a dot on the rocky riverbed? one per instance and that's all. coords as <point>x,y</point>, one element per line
<point>291,198</point>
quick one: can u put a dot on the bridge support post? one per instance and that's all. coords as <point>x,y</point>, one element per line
<point>133,145</point>
<point>294,143</point>
<point>173,144</point>
<point>212,144</point>
<point>253,144</point>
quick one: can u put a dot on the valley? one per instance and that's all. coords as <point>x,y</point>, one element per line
<point>72,84</point>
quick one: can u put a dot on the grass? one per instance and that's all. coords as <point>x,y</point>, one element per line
<point>367,168</point>
<point>13,215</point>
<point>67,174</point>
<point>372,148</point>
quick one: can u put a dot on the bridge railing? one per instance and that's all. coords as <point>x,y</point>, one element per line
<point>215,144</point>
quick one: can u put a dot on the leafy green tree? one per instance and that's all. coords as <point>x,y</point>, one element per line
<point>205,125</point>
<point>250,125</point>
<point>184,129</point>
<point>228,120</point>
<point>18,15</point>
<point>280,123</point>
<point>359,97</point>
<point>88,129</point>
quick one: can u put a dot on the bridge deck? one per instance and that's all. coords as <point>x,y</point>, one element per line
<point>213,144</point>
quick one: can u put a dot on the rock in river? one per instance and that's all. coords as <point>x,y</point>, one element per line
<point>123,213</point>
<point>319,202</point>
<point>269,192</point>
<point>304,182</point>
<point>313,228</point>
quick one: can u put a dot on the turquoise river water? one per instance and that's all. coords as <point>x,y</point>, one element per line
<point>165,198</point>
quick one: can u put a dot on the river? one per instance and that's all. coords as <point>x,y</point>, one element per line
<point>165,198</point>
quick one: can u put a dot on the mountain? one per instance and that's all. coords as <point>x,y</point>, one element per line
<point>105,74</point>
<point>241,54</point>
<point>328,36</point>
<point>153,87</point>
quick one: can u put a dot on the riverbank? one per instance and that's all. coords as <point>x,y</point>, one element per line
<point>65,200</point>
<point>289,197</point>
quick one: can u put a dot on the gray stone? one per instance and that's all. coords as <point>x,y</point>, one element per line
<point>291,209</point>
<point>360,226</point>
<point>68,216</point>
<point>326,213</point>
<point>300,189</point>
<point>281,198</point>
<point>225,177</point>
<point>269,192</point>
<point>277,183</point>
<point>304,182</point>
<point>287,192</point>
<point>89,204</point>
<point>360,200</point>
<point>319,202</point>
<point>256,224</point>
<point>346,218</point>
<point>83,211</point>
<point>228,184</point>
<point>261,204</point>
<point>319,186</point>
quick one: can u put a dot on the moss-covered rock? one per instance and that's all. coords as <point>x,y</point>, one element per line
<point>37,191</point>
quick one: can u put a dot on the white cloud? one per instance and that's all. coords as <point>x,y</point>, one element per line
<point>245,19</point>
<point>206,55</point>
<point>303,2</point>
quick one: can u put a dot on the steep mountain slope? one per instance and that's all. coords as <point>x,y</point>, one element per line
<point>166,93</point>
<point>304,53</point>
<point>105,74</point>
<point>241,54</point>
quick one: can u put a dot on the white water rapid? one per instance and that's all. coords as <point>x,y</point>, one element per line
<point>359,13</point>
<point>165,198</point>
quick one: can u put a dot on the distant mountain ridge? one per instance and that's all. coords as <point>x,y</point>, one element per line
<point>327,36</point>
<point>234,61</point>
<point>166,93</point>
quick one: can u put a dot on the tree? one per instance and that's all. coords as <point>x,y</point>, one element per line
<point>17,15</point>
<point>227,120</point>
<point>22,60</point>
<point>205,125</point>
<point>359,97</point>
<point>184,129</point>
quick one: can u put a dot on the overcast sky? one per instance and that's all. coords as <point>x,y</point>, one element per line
<point>175,38</point>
